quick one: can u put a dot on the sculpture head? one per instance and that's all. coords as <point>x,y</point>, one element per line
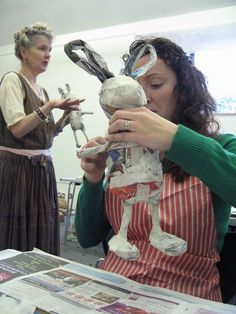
<point>121,92</point>
<point>117,92</point>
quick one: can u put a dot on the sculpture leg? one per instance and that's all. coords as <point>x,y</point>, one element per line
<point>76,140</point>
<point>119,244</point>
<point>85,135</point>
<point>168,243</point>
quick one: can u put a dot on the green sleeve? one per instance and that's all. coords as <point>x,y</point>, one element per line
<point>91,225</point>
<point>213,161</point>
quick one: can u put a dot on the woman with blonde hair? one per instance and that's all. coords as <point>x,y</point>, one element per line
<point>28,194</point>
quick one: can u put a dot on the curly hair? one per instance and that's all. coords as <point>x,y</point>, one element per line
<point>195,106</point>
<point>25,37</point>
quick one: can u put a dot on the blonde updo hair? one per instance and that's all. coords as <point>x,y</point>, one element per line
<point>26,36</point>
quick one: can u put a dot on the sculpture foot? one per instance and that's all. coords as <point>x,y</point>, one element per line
<point>168,243</point>
<point>122,248</point>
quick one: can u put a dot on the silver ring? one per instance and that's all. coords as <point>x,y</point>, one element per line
<point>126,125</point>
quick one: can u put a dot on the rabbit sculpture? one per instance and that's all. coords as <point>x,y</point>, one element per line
<point>75,117</point>
<point>134,172</point>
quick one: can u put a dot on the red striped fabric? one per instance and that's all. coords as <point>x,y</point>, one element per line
<point>185,210</point>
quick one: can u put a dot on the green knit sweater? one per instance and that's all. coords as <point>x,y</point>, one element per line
<point>213,161</point>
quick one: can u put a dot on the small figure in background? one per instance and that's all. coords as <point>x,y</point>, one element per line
<point>75,117</point>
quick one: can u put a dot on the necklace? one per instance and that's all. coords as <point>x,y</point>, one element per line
<point>38,90</point>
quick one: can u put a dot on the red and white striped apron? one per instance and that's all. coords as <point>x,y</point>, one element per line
<point>185,210</point>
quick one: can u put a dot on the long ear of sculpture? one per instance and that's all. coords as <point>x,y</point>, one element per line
<point>131,68</point>
<point>92,63</point>
<point>61,92</point>
<point>95,65</point>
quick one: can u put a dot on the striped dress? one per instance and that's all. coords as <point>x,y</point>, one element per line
<point>185,210</point>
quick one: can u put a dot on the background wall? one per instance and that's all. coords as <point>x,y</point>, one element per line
<point>112,45</point>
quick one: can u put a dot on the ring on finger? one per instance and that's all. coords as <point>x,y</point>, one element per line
<point>127,125</point>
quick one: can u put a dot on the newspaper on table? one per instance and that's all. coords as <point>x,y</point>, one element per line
<point>37,282</point>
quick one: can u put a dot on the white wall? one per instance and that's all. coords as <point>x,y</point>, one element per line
<point>62,70</point>
<point>227,123</point>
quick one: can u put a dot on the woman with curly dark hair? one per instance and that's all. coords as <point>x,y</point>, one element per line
<point>195,104</point>
<point>199,166</point>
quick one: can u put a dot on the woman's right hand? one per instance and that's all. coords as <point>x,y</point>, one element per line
<point>94,165</point>
<point>63,104</point>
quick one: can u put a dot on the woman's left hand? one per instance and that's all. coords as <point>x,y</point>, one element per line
<point>141,126</point>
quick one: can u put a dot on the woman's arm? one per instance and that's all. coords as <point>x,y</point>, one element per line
<point>61,123</point>
<point>31,121</point>
<point>91,225</point>
<point>211,160</point>
<point>11,102</point>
